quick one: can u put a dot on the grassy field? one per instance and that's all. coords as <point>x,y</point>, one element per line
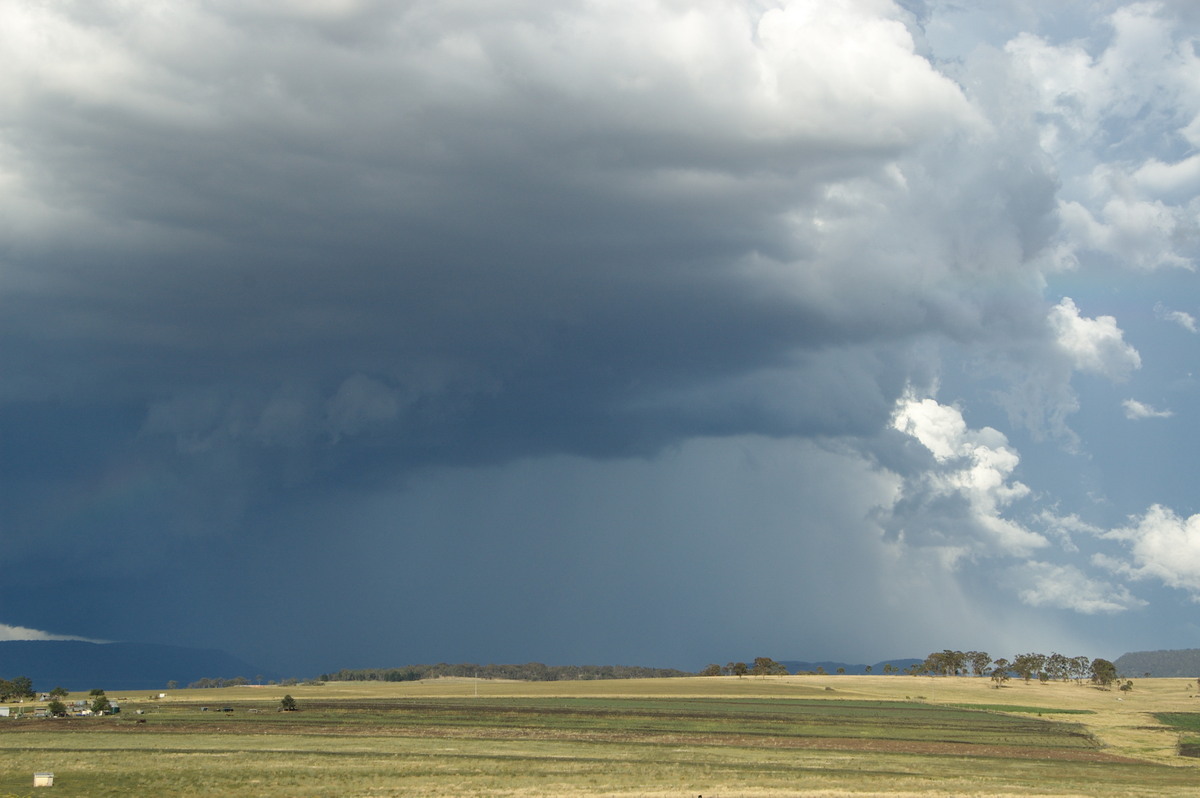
<point>716,737</point>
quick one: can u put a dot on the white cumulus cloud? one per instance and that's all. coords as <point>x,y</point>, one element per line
<point>1135,410</point>
<point>959,503</point>
<point>1041,584</point>
<point>1113,117</point>
<point>1096,345</point>
<point>1185,320</point>
<point>1064,528</point>
<point>1162,546</point>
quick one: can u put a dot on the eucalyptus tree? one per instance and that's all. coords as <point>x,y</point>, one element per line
<point>1104,673</point>
<point>1058,666</point>
<point>1028,665</point>
<point>765,666</point>
<point>980,660</point>
<point>20,687</point>
<point>945,663</point>
<point>1000,670</point>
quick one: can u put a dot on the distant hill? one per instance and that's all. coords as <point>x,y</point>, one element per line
<point>1180,662</point>
<point>796,666</point>
<point>79,665</point>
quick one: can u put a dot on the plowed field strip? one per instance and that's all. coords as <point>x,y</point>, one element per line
<point>754,741</point>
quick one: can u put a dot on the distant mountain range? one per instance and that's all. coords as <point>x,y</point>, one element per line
<point>79,665</point>
<point>795,666</point>
<point>1183,662</point>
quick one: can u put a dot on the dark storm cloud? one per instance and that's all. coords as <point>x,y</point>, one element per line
<point>513,219</point>
<point>309,292</point>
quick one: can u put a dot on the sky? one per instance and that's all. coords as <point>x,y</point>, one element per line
<point>356,333</point>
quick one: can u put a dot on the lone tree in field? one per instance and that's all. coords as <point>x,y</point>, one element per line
<point>287,704</point>
<point>1104,673</point>
<point>1000,672</point>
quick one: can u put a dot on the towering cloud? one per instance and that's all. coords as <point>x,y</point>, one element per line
<point>960,501</point>
<point>272,275</point>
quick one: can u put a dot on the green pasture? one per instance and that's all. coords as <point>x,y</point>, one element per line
<point>1029,710</point>
<point>673,737</point>
<point>1189,722</point>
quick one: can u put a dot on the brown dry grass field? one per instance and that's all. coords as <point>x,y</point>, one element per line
<point>712,736</point>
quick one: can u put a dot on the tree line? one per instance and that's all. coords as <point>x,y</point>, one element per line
<point>947,662</point>
<point>235,681</point>
<point>1043,667</point>
<point>765,666</point>
<point>529,672</point>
